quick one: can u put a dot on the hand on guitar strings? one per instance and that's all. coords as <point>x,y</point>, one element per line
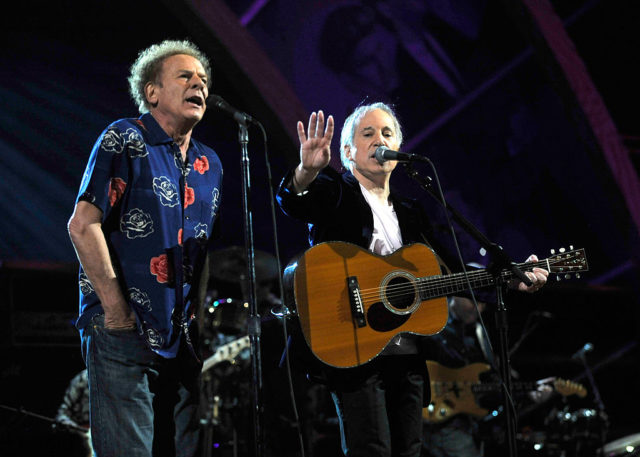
<point>537,276</point>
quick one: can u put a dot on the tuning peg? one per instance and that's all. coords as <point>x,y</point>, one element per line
<point>571,247</point>
<point>553,251</point>
<point>561,250</point>
<point>567,276</point>
<point>578,275</point>
<point>558,278</point>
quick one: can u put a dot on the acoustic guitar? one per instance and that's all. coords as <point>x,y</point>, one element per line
<point>455,390</point>
<point>350,302</point>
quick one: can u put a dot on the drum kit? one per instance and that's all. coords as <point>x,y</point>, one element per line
<point>563,432</point>
<point>226,348</point>
<point>571,431</point>
<point>584,442</point>
<point>567,433</point>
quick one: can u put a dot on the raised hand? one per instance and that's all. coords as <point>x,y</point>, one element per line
<point>315,149</point>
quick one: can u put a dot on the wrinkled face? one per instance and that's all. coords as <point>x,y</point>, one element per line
<point>375,129</point>
<point>181,92</point>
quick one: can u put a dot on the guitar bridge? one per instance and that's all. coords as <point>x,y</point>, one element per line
<point>357,309</point>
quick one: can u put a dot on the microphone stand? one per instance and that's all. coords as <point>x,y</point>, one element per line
<point>602,415</point>
<point>500,260</point>
<point>253,324</point>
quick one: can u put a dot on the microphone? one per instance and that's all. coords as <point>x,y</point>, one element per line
<point>223,105</point>
<point>383,154</point>
<point>579,355</point>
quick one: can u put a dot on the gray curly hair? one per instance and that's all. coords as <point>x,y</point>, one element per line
<point>148,66</point>
<point>352,122</point>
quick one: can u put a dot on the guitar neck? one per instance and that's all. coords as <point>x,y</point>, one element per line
<point>440,286</point>
<point>524,386</point>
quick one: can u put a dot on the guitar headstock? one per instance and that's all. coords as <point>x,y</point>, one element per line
<point>566,262</point>
<point>566,388</point>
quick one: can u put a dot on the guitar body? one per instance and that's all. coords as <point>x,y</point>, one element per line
<point>318,284</point>
<point>350,303</point>
<point>452,393</point>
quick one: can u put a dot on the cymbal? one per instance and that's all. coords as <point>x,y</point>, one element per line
<point>622,446</point>
<point>230,264</point>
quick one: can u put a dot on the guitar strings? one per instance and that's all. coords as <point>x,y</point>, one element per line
<point>448,282</point>
<point>439,286</point>
<point>442,286</point>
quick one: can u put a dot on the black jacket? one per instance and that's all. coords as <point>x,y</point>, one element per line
<point>336,210</point>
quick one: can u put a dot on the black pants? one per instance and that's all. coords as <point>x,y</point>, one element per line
<point>380,407</point>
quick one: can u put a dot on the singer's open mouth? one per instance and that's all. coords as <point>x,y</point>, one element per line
<point>195,100</point>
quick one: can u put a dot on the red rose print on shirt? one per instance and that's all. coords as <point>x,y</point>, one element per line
<point>159,266</point>
<point>116,189</point>
<point>201,164</point>
<point>189,196</point>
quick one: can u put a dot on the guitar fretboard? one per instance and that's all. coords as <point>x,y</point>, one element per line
<point>443,387</point>
<point>442,285</point>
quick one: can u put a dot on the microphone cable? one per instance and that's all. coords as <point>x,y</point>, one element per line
<point>466,277</point>
<point>283,319</point>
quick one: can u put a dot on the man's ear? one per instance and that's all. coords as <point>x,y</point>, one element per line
<point>151,93</point>
<point>347,152</point>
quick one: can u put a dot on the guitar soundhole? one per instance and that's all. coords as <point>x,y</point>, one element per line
<point>381,319</point>
<point>400,294</point>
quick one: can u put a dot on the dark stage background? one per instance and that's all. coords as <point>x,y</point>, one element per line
<point>475,94</point>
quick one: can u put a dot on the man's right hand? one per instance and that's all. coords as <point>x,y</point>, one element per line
<point>119,317</point>
<point>85,229</point>
<point>315,149</point>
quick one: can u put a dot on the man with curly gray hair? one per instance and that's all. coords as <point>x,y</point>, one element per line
<point>144,214</point>
<point>148,65</point>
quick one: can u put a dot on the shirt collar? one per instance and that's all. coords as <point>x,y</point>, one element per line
<point>156,135</point>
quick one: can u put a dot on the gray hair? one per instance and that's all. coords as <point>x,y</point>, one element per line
<point>148,66</point>
<point>352,122</point>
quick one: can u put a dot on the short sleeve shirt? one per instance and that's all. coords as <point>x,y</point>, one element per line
<point>157,216</point>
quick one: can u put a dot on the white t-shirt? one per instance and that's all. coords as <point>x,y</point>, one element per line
<point>387,239</point>
<point>386,229</point>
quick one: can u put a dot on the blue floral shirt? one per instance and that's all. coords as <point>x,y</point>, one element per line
<point>157,216</point>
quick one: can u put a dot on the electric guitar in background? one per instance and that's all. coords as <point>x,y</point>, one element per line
<point>226,352</point>
<point>350,302</point>
<point>456,390</point>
